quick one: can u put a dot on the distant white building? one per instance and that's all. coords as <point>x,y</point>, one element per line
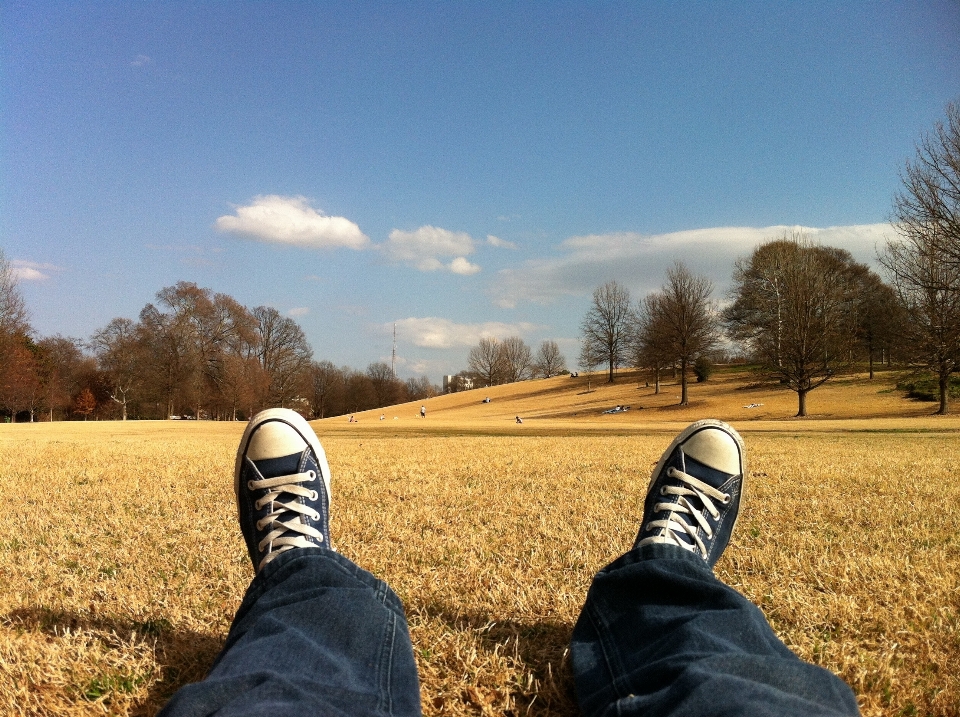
<point>457,383</point>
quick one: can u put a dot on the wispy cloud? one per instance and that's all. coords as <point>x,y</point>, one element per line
<point>140,61</point>
<point>501,243</point>
<point>298,311</point>
<point>640,261</point>
<point>31,270</point>
<point>291,220</point>
<point>426,247</point>
<point>436,333</point>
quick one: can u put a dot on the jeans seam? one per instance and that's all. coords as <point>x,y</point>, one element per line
<point>611,656</point>
<point>385,702</point>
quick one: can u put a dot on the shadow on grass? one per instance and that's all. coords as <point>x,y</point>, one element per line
<point>183,656</point>
<point>542,647</point>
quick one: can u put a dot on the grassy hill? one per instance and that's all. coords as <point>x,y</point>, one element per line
<point>738,395</point>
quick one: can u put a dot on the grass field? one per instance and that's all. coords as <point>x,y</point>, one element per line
<point>121,566</point>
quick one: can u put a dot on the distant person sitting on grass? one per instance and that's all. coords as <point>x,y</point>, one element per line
<point>659,634</point>
<point>519,420</point>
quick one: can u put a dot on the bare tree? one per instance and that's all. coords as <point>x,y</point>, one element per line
<point>60,362</point>
<point>606,328</point>
<point>549,361</point>
<point>284,352</point>
<point>119,353</point>
<point>325,380</point>
<point>20,387</point>
<point>486,361</point>
<point>385,384</point>
<point>14,319</point>
<point>793,305</point>
<point>684,320</point>
<point>516,359</point>
<point>927,208</point>
<point>419,388</point>
<point>927,283</point>
<point>879,314</point>
<point>648,346</point>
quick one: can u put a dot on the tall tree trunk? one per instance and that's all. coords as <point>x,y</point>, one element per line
<point>802,400</point>
<point>656,390</point>
<point>944,394</point>
<point>683,382</point>
<point>610,379</point>
<point>870,353</point>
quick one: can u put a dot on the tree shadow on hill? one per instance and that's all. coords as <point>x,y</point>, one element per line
<point>183,656</point>
<point>541,646</point>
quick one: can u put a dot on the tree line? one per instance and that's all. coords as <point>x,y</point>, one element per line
<point>193,353</point>
<point>805,312</point>
<point>802,311</point>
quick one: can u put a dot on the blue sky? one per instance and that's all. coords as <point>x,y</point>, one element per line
<point>463,169</point>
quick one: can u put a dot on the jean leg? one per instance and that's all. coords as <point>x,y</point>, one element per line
<point>661,635</point>
<point>315,634</point>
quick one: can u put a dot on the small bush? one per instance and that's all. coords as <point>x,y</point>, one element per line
<point>703,369</point>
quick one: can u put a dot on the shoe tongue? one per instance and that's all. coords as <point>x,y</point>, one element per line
<point>703,472</point>
<point>282,466</point>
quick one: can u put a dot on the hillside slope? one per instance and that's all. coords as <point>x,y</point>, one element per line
<point>733,394</point>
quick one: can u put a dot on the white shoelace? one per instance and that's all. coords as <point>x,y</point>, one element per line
<point>278,539</point>
<point>672,526</point>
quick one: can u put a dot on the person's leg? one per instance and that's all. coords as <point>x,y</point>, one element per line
<point>661,635</point>
<point>315,634</point>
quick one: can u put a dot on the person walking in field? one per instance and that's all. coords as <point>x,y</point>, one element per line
<point>423,411</point>
<point>659,634</point>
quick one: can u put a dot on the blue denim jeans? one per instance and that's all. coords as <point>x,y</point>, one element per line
<point>661,635</point>
<point>658,635</point>
<point>314,635</point>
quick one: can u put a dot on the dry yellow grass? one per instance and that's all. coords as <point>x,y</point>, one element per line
<point>121,566</point>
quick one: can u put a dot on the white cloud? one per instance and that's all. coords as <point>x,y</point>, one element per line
<point>640,261</point>
<point>298,311</point>
<point>31,270</point>
<point>461,266</point>
<point>140,61</point>
<point>424,248</point>
<point>26,273</point>
<point>436,333</point>
<point>291,220</point>
<point>498,242</point>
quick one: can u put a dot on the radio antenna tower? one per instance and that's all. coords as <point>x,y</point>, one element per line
<point>393,357</point>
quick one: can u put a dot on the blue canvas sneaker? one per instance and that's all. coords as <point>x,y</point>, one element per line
<point>282,482</point>
<point>696,490</point>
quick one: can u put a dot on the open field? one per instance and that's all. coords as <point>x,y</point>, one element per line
<point>121,566</point>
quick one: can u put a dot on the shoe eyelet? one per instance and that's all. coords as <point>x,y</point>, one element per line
<point>727,499</point>
<point>250,485</point>
<point>259,525</point>
<point>663,490</point>
<point>314,495</point>
<point>312,474</point>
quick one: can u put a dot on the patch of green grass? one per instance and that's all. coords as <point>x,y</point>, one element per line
<point>926,387</point>
<point>107,684</point>
<point>153,627</point>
